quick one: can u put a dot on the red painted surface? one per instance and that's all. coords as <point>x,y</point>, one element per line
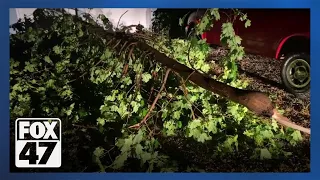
<point>269,30</point>
<point>284,40</point>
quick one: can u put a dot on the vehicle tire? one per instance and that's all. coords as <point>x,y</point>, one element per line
<point>191,23</point>
<point>191,31</point>
<point>295,73</point>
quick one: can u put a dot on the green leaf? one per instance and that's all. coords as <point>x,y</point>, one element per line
<point>127,145</point>
<point>50,83</point>
<point>29,67</point>
<point>259,140</point>
<point>138,137</point>
<point>193,98</point>
<point>120,143</point>
<point>205,21</point>
<point>238,39</point>
<point>164,113</point>
<point>243,18</point>
<point>274,124</point>
<point>205,68</point>
<point>179,124</point>
<point>204,137</point>
<point>176,115</point>
<point>98,152</point>
<point>101,121</point>
<point>215,13</point>
<point>47,59</point>
<point>170,127</point>
<point>212,126</point>
<point>296,135</point>
<point>146,156</point>
<point>69,111</point>
<point>138,97</point>
<point>267,134</point>
<point>127,80</point>
<point>138,149</point>
<point>144,112</point>
<point>135,106</point>
<point>233,110</point>
<point>248,133</point>
<point>227,29</point>
<point>122,109</point>
<point>195,133</point>
<point>247,24</point>
<point>120,160</point>
<point>194,124</point>
<point>287,153</point>
<point>180,21</point>
<point>57,49</point>
<point>80,34</point>
<point>265,154</point>
<point>146,77</point>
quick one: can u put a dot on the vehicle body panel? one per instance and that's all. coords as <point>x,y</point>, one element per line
<point>269,30</point>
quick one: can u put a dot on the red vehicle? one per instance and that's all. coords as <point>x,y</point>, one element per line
<point>283,34</point>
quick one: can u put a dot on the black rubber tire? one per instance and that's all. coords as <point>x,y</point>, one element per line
<point>285,68</point>
<point>190,31</point>
<point>191,23</point>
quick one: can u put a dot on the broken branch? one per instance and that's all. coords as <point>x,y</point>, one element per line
<point>144,120</point>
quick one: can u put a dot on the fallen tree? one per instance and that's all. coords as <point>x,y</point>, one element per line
<point>96,79</point>
<point>257,102</point>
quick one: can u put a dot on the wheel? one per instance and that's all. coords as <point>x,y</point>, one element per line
<point>192,22</point>
<point>295,73</point>
<point>191,31</point>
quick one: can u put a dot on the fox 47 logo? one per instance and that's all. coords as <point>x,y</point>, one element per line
<point>38,143</point>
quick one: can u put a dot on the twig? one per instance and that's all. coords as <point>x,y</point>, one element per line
<point>82,75</point>
<point>150,94</point>
<point>144,120</point>
<point>76,11</point>
<point>185,92</point>
<point>189,56</point>
<point>130,90</point>
<point>120,18</point>
<point>178,89</point>
<point>85,127</point>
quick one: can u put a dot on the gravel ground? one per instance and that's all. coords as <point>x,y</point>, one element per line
<point>264,75</point>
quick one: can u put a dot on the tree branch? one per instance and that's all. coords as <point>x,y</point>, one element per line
<point>144,120</point>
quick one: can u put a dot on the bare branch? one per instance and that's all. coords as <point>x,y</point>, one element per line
<point>144,120</point>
